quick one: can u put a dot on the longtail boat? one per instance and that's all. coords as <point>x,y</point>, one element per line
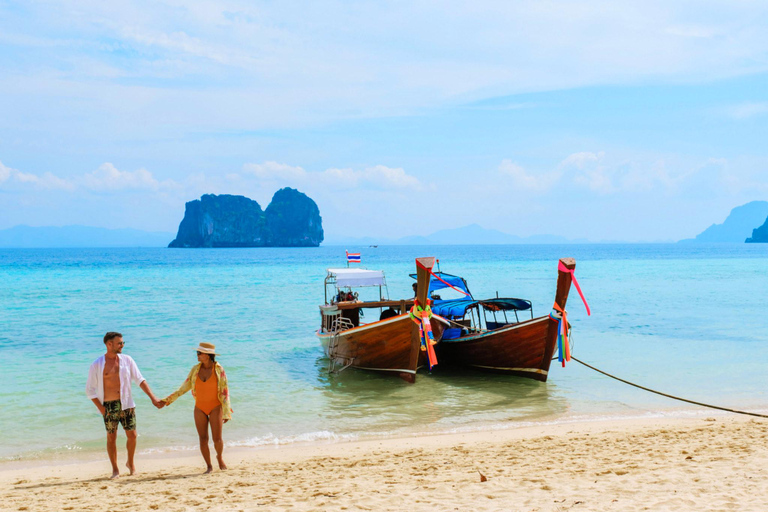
<point>392,341</point>
<point>483,333</point>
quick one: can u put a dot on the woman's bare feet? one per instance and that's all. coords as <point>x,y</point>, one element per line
<point>115,474</point>
<point>131,468</point>
<point>222,466</point>
<point>209,470</point>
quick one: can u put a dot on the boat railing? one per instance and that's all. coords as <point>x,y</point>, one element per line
<point>341,324</point>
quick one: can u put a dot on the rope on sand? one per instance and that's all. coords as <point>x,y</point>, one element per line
<point>670,396</point>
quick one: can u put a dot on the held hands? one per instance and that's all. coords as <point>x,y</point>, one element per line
<point>158,403</point>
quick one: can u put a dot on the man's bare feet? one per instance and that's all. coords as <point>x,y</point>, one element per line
<point>131,468</point>
<point>115,474</point>
<point>209,470</point>
<point>222,466</point>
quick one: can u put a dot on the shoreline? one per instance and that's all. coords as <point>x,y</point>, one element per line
<point>714,463</point>
<point>85,456</point>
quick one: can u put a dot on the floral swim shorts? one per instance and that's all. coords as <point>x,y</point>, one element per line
<point>114,414</point>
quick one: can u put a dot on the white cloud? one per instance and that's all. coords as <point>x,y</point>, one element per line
<point>653,175</point>
<point>47,180</point>
<point>5,173</point>
<point>588,170</point>
<point>646,177</point>
<point>330,60</point>
<point>108,178</point>
<point>275,171</point>
<point>390,177</point>
<point>527,181</point>
<point>376,177</point>
<point>746,110</point>
<point>581,160</point>
<point>347,178</point>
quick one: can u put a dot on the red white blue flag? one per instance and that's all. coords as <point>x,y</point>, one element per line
<point>353,257</point>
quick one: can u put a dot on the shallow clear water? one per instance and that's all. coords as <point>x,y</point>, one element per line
<point>685,319</point>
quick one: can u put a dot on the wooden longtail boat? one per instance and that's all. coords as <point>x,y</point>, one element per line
<point>390,344</point>
<point>523,348</point>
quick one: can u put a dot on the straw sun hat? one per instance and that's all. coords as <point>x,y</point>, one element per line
<point>207,348</point>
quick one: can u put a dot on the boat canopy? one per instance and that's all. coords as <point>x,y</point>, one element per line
<point>347,277</point>
<point>459,307</point>
<point>455,281</point>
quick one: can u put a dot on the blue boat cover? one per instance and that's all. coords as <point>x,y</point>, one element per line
<point>458,307</point>
<point>455,281</point>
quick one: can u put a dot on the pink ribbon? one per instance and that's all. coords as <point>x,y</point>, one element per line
<point>429,270</point>
<point>563,268</point>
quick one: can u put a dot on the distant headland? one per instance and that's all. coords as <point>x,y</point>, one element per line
<point>292,219</point>
<point>737,226</point>
<point>759,235</point>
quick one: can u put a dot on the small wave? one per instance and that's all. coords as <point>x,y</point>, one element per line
<point>45,453</point>
<point>264,441</point>
<point>309,437</point>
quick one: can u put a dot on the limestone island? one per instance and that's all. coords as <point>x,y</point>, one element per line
<point>759,235</point>
<point>292,219</point>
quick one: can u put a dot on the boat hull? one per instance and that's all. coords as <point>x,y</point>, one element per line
<point>390,345</point>
<point>523,349</point>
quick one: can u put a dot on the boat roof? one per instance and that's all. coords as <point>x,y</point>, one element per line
<point>459,307</point>
<point>347,277</point>
<point>455,281</point>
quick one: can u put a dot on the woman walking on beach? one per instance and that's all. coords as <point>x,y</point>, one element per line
<point>208,383</point>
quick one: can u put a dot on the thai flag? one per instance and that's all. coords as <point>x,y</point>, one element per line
<point>353,257</point>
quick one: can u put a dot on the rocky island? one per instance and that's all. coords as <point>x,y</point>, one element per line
<point>292,219</point>
<point>759,235</point>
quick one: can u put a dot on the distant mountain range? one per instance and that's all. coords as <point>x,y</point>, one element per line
<point>737,227</point>
<point>467,235</point>
<point>80,236</point>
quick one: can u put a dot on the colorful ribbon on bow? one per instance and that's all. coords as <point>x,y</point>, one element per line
<point>564,349</point>
<point>420,317</point>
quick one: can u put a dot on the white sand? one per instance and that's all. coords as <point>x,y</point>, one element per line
<point>668,464</point>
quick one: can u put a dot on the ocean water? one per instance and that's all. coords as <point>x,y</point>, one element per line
<point>685,319</point>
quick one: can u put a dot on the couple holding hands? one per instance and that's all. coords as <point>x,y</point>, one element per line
<point>109,387</point>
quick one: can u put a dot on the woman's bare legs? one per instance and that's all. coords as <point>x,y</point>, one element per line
<point>201,422</point>
<point>217,423</point>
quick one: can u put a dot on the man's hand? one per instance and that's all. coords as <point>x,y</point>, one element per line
<point>99,406</point>
<point>158,403</point>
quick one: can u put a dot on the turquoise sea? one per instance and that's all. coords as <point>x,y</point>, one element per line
<point>686,319</point>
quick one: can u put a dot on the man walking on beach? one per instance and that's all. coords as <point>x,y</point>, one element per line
<point>109,387</point>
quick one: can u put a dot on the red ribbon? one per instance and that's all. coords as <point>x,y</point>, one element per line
<point>429,270</point>
<point>563,268</point>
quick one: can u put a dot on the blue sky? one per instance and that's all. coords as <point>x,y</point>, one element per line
<point>637,121</point>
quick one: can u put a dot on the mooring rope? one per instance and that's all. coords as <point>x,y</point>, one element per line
<point>670,396</point>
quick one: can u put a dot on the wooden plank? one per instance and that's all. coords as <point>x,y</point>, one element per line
<point>374,304</point>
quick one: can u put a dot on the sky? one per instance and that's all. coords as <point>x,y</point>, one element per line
<point>631,121</point>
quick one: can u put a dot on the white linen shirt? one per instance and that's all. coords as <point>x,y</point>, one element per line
<point>129,372</point>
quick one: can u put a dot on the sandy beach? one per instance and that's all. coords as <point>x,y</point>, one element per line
<point>717,463</point>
